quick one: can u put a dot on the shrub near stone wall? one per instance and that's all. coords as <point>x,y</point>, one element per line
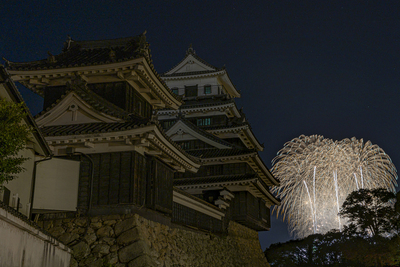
<point>130,240</point>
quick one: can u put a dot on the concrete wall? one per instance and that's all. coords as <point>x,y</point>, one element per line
<point>131,240</point>
<point>23,245</point>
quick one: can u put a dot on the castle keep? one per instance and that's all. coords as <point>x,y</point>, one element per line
<point>173,149</point>
<point>211,128</point>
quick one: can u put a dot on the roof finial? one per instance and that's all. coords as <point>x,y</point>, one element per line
<point>69,40</point>
<point>190,50</point>
<point>51,58</point>
<point>8,63</point>
<point>67,43</point>
<point>142,45</point>
<point>112,55</point>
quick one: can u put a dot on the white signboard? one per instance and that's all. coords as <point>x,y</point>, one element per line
<point>56,185</point>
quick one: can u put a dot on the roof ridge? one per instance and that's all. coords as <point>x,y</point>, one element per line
<point>90,127</point>
<point>76,53</point>
<point>106,43</point>
<point>192,73</point>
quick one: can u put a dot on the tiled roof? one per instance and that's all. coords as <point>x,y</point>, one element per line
<point>219,127</point>
<point>92,53</point>
<point>216,153</point>
<point>103,127</point>
<point>204,133</point>
<point>213,179</point>
<point>206,103</point>
<point>203,102</point>
<point>227,179</point>
<point>91,128</point>
<point>233,125</point>
<point>88,53</point>
<point>190,73</point>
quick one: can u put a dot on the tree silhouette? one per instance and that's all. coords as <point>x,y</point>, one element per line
<point>13,137</point>
<point>369,211</point>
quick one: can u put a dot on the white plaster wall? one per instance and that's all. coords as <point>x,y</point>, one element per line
<point>71,117</point>
<point>206,114</point>
<point>22,184</point>
<point>192,114</point>
<point>22,245</point>
<point>182,137</point>
<point>180,84</point>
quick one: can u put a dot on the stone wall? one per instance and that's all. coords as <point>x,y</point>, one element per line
<point>131,240</point>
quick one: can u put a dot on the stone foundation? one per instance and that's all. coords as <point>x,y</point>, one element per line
<point>131,240</point>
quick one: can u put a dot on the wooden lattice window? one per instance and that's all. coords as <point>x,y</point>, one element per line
<point>207,89</point>
<point>175,91</point>
<point>203,121</point>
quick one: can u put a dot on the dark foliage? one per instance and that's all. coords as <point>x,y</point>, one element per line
<point>371,239</point>
<point>13,136</point>
<point>369,212</point>
<point>314,250</point>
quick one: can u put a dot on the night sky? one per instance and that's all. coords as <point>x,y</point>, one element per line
<point>303,67</point>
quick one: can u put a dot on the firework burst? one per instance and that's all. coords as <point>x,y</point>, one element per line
<point>317,174</point>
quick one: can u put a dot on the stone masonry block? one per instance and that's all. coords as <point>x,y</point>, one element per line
<point>132,251</point>
<point>128,236</point>
<point>124,225</point>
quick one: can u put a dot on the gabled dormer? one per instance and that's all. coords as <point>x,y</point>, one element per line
<point>190,137</point>
<point>80,105</point>
<point>191,64</point>
<point>194,78</point>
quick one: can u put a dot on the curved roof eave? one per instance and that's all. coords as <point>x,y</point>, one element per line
<point>245,127</point>
<point>155,134</point>
<point>42,145</point>
<point>267,171</point>
<point>177,101</point>
<point>25,76</point>
<point>257,161</point>
<point>199,133</point>
<point>228,85</point>
<point>268,195</point>
<point>180,152</point>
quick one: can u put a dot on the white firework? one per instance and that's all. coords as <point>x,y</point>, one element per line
<point>317,174</point>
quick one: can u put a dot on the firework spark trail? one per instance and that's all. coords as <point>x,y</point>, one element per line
<point>337,196</point>
<point>355,178</point>
<point>362,178</point>
<point>313,159</point>
<point>312,212</point>
<point>315,208</point>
